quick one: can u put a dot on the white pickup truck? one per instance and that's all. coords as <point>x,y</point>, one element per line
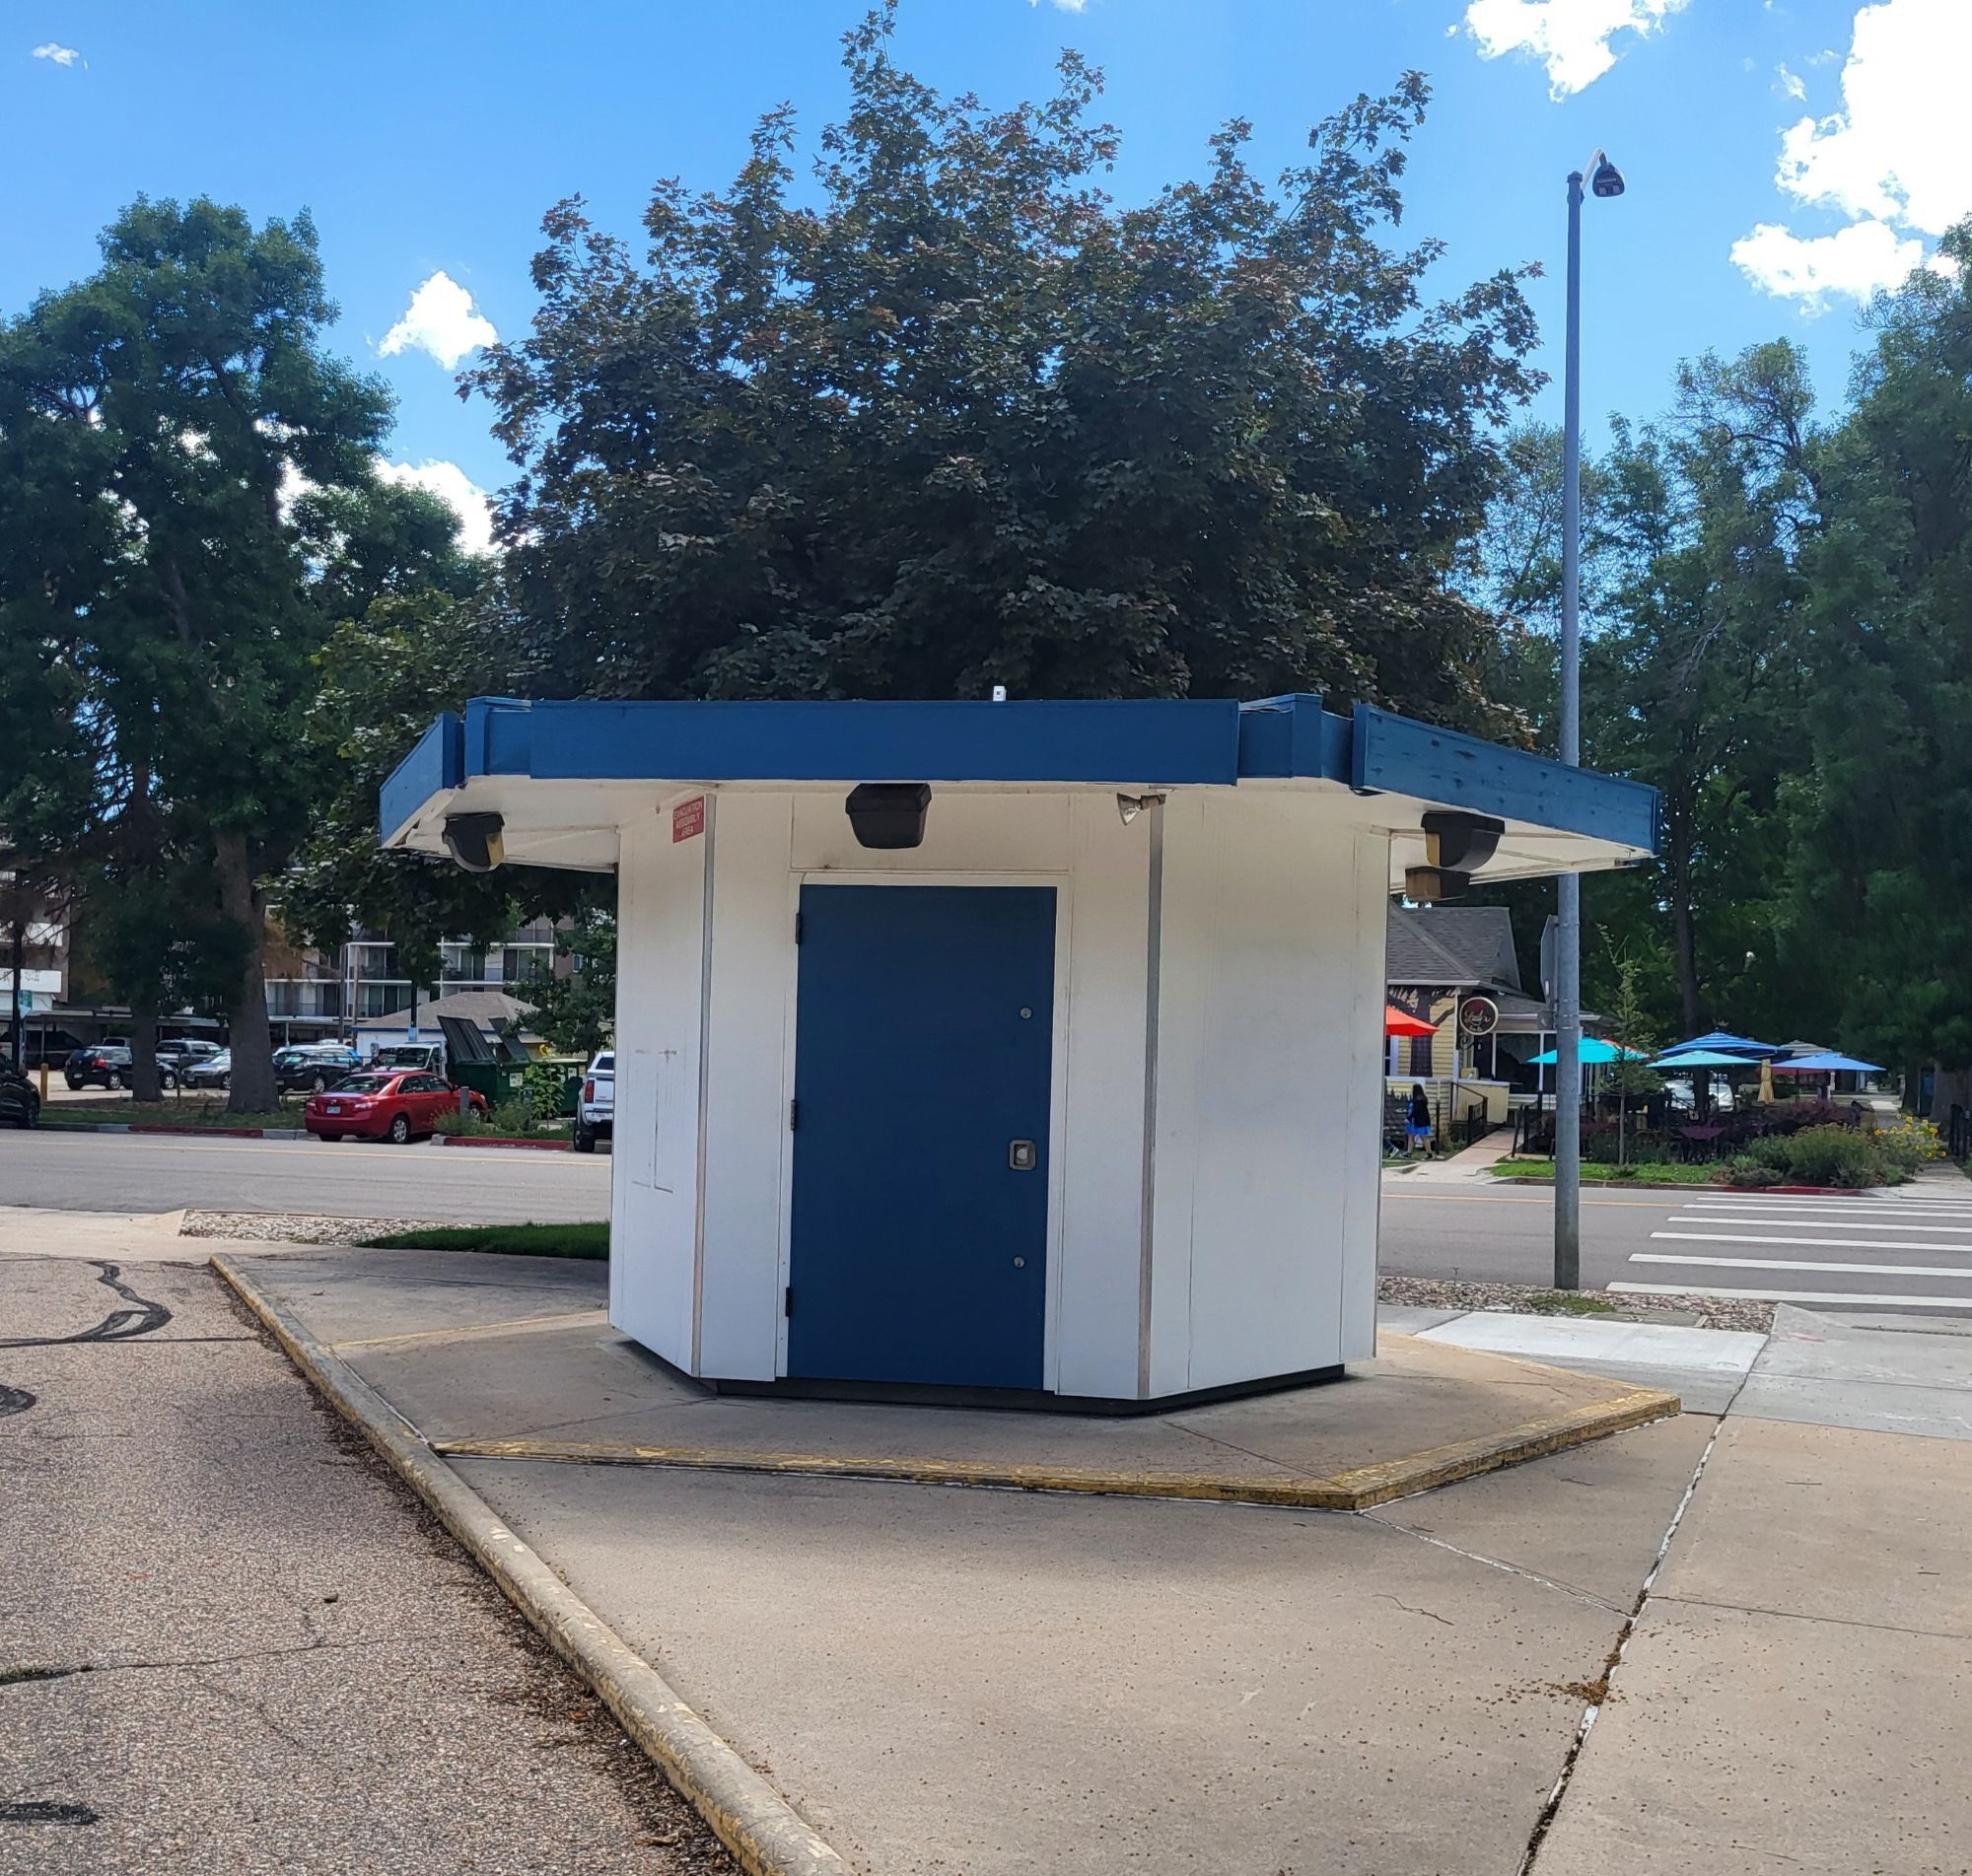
<point>596,1111</point>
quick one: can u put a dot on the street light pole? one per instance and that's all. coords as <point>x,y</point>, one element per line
<point>1606,180</point>
<point>1568,922</point>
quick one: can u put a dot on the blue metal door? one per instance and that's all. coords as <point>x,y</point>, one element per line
<point>923,1030</point>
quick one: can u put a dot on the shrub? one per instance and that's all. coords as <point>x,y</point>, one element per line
<point>1745,1170</point>
<point>1910,1142</point>
<point>1837,1156</point>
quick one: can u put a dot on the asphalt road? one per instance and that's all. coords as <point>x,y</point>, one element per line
<point>230,1640</point>
<point>1908,1251</point>
<point>160,1172</point>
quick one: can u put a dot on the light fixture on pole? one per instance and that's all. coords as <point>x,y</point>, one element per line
<point>1606,181</point>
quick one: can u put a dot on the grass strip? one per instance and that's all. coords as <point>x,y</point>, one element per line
<point>503,1240</point>
<point>1667,1173</point>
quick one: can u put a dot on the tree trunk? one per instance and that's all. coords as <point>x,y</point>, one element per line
<point>251,1084</point>
<point>16,1036</point>
<point>145,1084</point>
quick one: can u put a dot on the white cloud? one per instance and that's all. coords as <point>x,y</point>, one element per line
<point>57,54</point>
<point>1064,6</point>
<point>1792,84</point>
<point>443,320</point>
<point>1895,159</point>
<point>1572,38</point>
<point>1853,261</point>
<point>451,484</point>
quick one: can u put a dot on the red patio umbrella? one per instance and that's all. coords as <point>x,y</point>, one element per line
<point>1399,1022</point>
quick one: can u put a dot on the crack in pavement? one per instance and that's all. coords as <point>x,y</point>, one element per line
<point>144,1317</point>
<point>28,1677</point>
<point>1581,1596</point>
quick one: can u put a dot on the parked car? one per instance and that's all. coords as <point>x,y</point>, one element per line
<point>427,1057</point>
<point>596,1111</point>
<point>108,1065</point>
<point>315,1065</point>
<point>385,1104</point>
<point>182,1051</point>
<point>209,1071</point>
<point>19,1103</point>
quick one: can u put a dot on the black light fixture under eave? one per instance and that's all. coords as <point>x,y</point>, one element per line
<point>887,816</point>
<point>476,841</point>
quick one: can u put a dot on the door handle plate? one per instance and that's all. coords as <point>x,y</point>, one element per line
<point>1023,1156</point>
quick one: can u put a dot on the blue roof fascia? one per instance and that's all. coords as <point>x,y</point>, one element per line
<point>1286,737</point>
<point>1143,740</point>
<point>435,765</point>
<point>1399,757</point>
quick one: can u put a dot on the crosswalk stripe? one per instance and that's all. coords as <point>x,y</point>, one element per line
<point>1963,1271</point>
<point>1789,1208</point>
<point>1820,1243</point>
<point>1848,1298</point>
<point>1805,1225</point>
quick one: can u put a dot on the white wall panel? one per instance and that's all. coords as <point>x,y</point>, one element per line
<point>1100,1243</point>
<point>1262,959</point>
<point>653,1177</point>
<point>754,960</point>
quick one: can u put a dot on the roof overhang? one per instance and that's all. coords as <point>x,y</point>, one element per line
<point>564,777</point>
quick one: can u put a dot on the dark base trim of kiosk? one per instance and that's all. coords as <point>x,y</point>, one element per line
<point>1023,1400</point>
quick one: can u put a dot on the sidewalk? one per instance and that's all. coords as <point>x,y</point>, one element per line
<point>1046,1681</point>
<point>1049,1681</point>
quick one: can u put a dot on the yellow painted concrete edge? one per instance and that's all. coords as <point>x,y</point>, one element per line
<point>1353,1490</point>
<point>750,1818</point>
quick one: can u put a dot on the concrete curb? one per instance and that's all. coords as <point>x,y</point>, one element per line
<point>1357,1490</point>
<point>149,1127</point>
<point>750,1817</point>
<point>277,1133</point>
<point>1704,1185</point>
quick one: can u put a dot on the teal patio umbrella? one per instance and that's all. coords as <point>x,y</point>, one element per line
<point>1594,1051</point>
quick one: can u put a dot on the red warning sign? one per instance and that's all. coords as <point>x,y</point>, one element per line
<point>687,820</point>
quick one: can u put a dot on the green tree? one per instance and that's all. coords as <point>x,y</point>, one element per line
<point>576,1013</point>
<point>1877,919</point>
<point>964,421</point>
<point>152,418</point>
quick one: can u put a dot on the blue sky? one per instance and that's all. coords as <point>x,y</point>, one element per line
<point>1784,156</point>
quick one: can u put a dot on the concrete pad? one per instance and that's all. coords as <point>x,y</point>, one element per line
<point>1415,1417</point>
<point>1398,1319</point>
<point>1591,1521</point>
<point>1932,1413</point>
<point>1742,1742</point>
<point>1700,1390</point>
<point>468,1350</point>
<point>1585,1339</point>
<point>1832,1524</point>
<point>1889,1375</point>
<point>992,1682</point>
<point>348,1294</point>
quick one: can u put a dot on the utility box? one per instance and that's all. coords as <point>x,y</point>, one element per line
<point>1069,1087</point>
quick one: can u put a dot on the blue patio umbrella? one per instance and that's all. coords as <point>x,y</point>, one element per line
<point>1687,1057</point>
<point>1826,1062</point>
<point>1723,1042</point>
<point>1594,1050</point>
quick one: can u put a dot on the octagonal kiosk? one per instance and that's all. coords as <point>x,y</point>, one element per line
<point>1026,1047</point>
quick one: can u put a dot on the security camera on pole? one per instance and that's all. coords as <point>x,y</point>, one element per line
<point>1607,181</point>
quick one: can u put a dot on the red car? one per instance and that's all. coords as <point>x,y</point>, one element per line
<point>393,1104</point>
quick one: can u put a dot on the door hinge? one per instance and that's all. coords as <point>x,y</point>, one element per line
<point>797,928</point>
<point>788,1300</point>
<point>794,1115</point>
